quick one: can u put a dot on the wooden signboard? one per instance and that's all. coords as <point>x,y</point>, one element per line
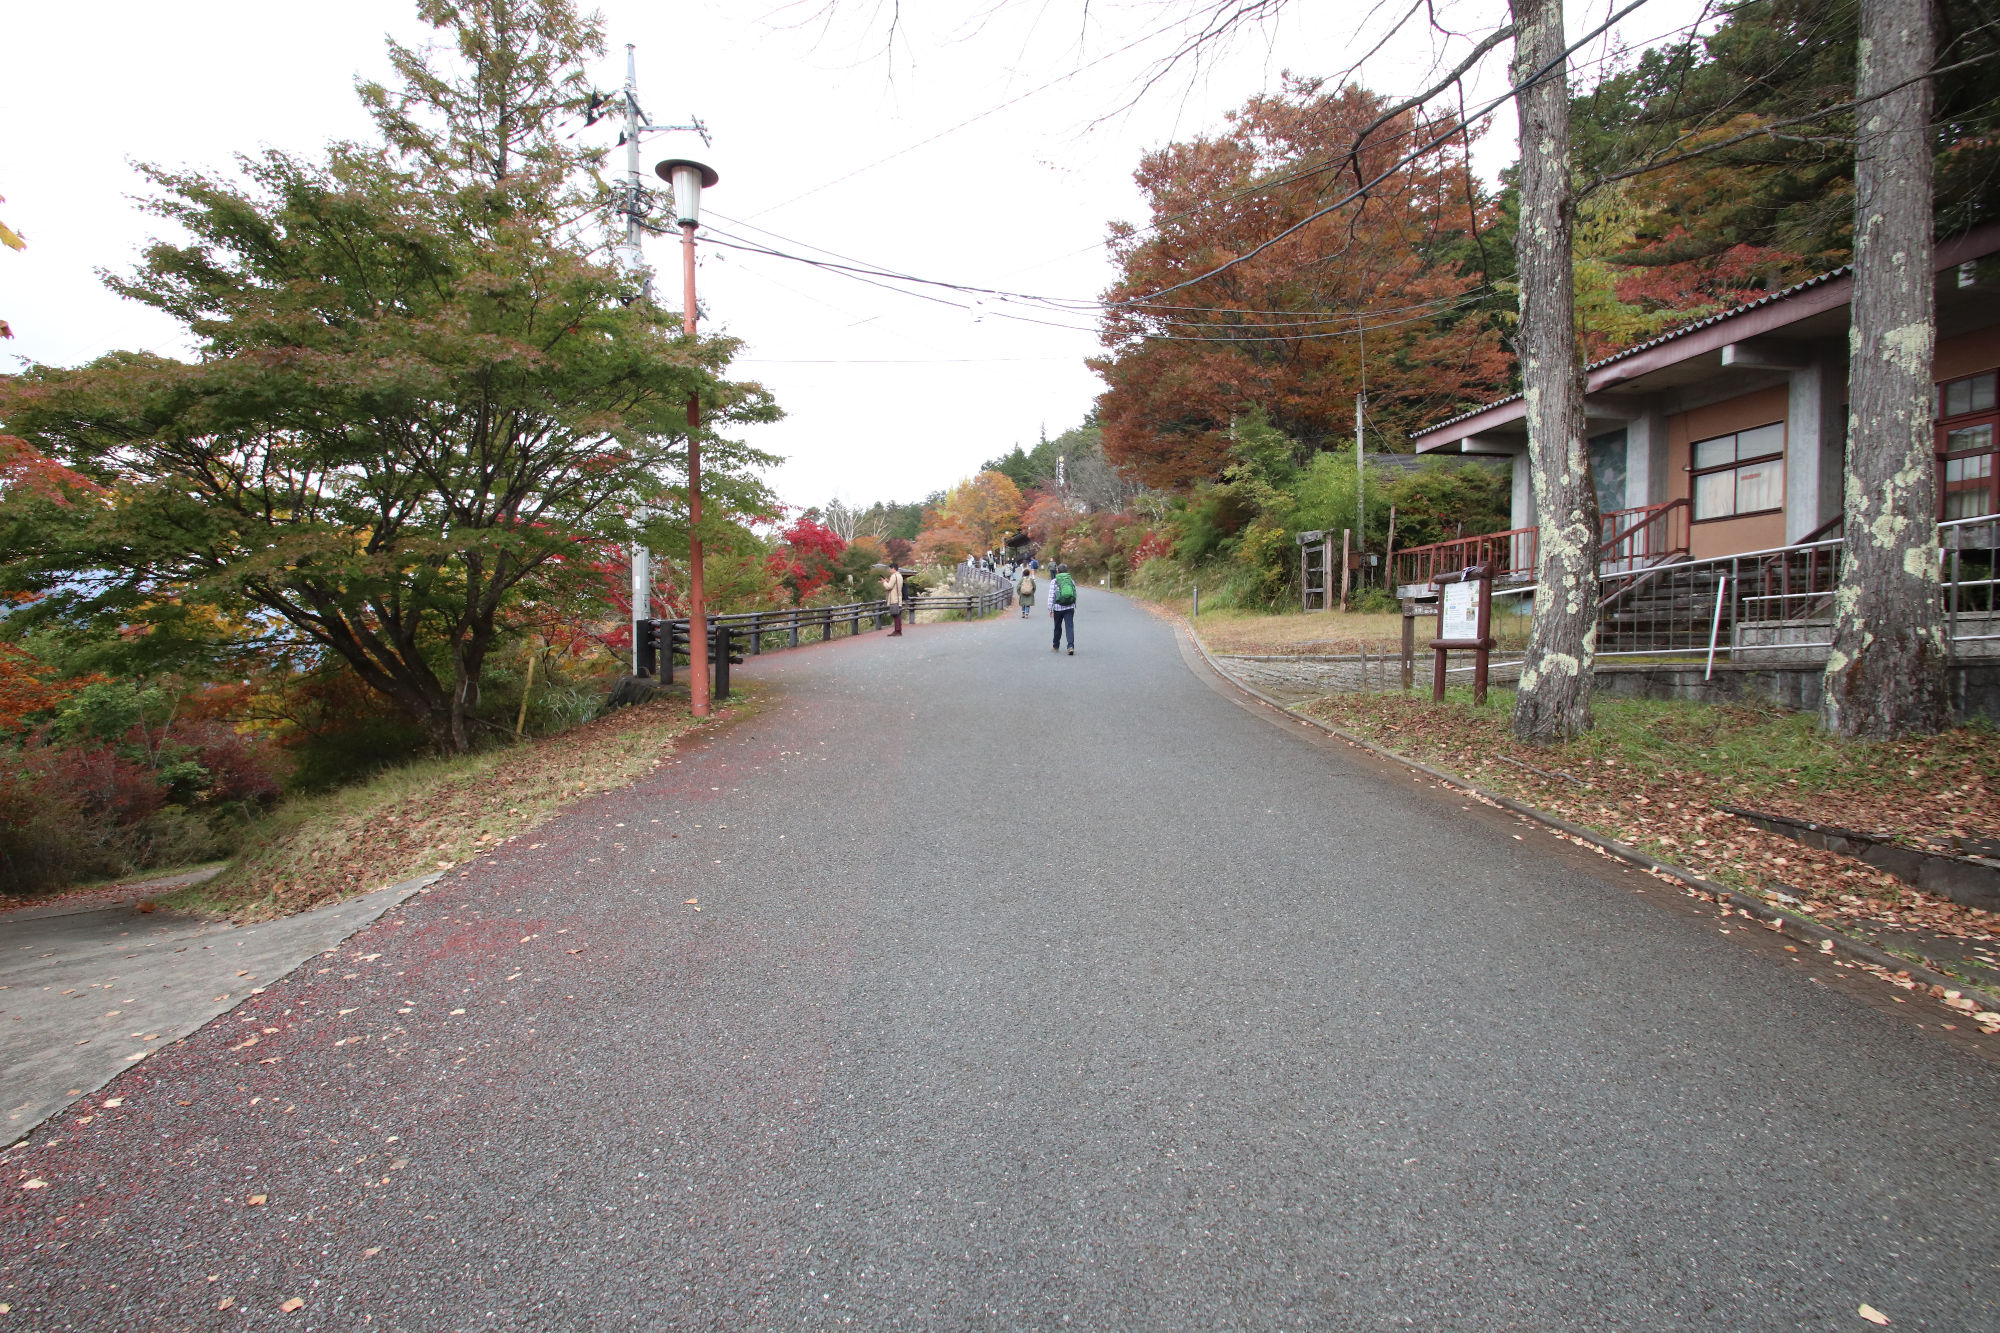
<point>1465,620</point>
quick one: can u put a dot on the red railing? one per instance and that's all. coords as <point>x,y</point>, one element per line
<point>1634,538</point>
<point>1508,552</point>
<point>1627,539</point>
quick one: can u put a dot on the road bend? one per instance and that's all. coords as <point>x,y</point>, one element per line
<point>1028,991</point>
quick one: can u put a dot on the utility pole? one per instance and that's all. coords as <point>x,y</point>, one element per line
<point>630,256</point>
<point>632,260</point>
<point>1360,476</point>
<point>1360,467</point>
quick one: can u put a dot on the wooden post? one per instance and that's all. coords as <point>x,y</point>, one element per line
<point>1305,577</point>
<point>1346,551</point>
<point>527,687</point>
<point>1389,556</point>
<point>1409,645</point>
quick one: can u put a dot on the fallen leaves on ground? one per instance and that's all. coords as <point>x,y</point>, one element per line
<point>361,839</point>
<point>1871,1314</point>
<point>1641,794</point>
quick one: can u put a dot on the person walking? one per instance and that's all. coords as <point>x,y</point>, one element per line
<point>892,594</point>
<point>1026,590</point>
<point>1062,609</point>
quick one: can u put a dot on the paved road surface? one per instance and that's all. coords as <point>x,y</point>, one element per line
<point>85,993</point>
<point>1031,992</point>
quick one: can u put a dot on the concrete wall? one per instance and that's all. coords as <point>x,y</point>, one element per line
<point>1975,686</point>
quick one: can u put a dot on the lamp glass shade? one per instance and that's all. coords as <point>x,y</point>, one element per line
<point>687,177</point>
<point>687,193</point>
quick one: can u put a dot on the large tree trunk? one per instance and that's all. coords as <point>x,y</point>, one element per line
<point>1886,674</point>
<point>1554,700</point>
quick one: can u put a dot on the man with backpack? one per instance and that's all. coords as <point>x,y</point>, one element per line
<point>1062,609</point>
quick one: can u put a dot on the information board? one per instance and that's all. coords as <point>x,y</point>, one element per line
<point>1459,615</point>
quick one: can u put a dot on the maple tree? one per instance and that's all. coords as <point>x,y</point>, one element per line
<point>807,558</point>
<point>1744,140</point>
<point>29,687</point>
<point>986,508</point>
<point>1281,330</point>
<point>416,390</point>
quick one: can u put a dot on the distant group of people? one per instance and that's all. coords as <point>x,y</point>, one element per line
<point>1062,596</point>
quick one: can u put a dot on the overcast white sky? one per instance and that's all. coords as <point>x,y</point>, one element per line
<point>887,396</point>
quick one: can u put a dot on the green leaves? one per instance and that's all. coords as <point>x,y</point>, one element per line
<point>417,392</point>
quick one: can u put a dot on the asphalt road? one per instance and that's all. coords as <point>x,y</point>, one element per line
<point>162,975</point>
<point>1029,992</point>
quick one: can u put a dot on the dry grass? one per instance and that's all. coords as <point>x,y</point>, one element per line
<point>1297,632</point>
<point>432,814</point>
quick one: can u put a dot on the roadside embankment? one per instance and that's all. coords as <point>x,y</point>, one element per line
<point>431,815</point>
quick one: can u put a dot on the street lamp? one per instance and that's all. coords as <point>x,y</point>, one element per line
<point>688,177</point>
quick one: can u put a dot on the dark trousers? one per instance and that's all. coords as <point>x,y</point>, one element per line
<point>1065,618</point>
<point>897,617</point>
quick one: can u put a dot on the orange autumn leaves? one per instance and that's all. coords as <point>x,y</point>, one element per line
<point>1278,329</point>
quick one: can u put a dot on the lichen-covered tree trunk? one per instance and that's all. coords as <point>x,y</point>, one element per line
<point>1885,676</point>
<point>1554,699</point>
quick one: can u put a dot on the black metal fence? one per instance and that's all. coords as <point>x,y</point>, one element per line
<point>733,638</point>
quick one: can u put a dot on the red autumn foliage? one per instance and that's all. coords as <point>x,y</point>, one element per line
<point>1155,546</point>
<point>29,686</point>
<point>807,557</point>
<point>1277,330</point>
<point>23,467</point>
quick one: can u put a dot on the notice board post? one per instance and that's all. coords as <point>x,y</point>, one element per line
<point>1465,620</point>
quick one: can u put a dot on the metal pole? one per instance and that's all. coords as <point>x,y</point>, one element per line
<point>1360,478</point>
<point>642,605</point>
<point>697,604</point>
<point>1715,627</point>
<point>640,556</point>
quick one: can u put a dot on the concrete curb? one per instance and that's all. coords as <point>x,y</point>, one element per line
<point>1788,923</point>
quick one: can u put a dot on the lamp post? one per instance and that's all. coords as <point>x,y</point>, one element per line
<point>688,177</point>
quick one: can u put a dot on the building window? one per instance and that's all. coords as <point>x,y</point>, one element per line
<point>1740,474</point>
<point>1607,470</point>
<point>1968,431</point>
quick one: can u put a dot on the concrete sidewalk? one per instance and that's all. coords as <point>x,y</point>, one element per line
<point>84,994</point>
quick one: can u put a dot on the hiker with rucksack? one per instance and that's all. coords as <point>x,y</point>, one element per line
<point>1062,609</point>
<point>1025,589</point>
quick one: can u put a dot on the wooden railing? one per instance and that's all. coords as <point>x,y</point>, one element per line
<point>731,638</point>
<point>1512,551</point>
<point>1627,540</point>
<point>1647,535</point>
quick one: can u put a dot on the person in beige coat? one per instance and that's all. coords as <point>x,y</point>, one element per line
<point>892,593</point>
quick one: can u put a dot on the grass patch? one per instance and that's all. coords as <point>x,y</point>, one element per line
<point>432,814</point>
<point>1297,632</point>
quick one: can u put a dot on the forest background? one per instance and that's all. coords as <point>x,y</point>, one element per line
<point>219,599</point>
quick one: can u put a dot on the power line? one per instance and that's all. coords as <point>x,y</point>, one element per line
<point>1560,61</point>
<point>969,120</point>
